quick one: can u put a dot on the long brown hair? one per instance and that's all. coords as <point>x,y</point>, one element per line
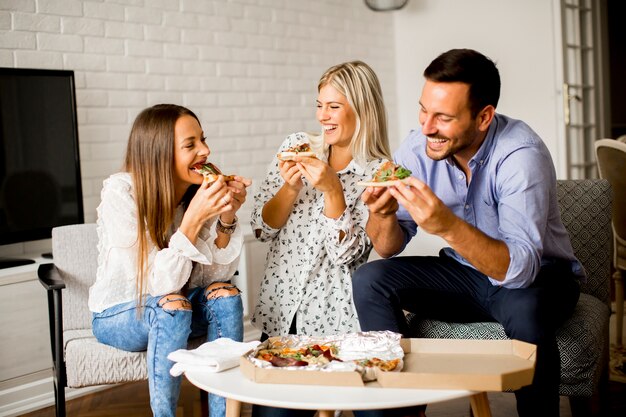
<point>150,161</point>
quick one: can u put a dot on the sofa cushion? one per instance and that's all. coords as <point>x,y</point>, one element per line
<point>89,362</point>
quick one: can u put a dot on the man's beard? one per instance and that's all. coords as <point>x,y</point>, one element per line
<point>462,142</point>
<point>438,156</point>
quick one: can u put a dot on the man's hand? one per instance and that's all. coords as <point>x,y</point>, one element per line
<point>488,255</point>
<point>379,201</point>
<point>426,209</point>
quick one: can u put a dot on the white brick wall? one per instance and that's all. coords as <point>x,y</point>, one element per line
<point>248,68</point>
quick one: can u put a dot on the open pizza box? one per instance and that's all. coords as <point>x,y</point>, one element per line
<point>479,365</point>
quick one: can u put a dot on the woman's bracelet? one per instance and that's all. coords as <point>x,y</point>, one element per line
<point>226,228</point>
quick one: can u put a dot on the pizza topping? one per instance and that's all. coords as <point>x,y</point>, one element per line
<point>207,168</point>
<point>366,353</point>
<point>389,171</point>
<point>384,365</point>
<point>211,172</point>
<point>281,362</point>
<point>302,147</point>
<point>307,355</point>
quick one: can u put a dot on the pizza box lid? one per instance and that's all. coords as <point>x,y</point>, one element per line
<point>478,365</point>
<point>283,376</point>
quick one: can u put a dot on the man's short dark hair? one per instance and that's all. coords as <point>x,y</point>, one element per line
<point>469,67</point>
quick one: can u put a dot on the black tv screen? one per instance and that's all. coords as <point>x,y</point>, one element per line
<point>40,182</point>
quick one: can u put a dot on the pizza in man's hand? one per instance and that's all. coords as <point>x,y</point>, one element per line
<point>301,149</point>
<point>388,174</point>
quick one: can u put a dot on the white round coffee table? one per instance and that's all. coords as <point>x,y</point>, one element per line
<point>237,389</point>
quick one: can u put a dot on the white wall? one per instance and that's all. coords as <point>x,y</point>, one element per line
<point>248,68</point>
<point>518,35</point>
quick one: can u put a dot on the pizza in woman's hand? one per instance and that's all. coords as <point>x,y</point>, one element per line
<point>301,149</point>
<point>388,174</point>
<point>211,172</point>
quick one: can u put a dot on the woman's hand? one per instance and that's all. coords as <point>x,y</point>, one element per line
<point>321,176</point>
<point>290,172</point>
<point>211,200</point>
<point>237,198</point>
<point>324,178</point>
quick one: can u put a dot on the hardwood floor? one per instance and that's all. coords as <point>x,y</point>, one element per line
<point>131,400</point>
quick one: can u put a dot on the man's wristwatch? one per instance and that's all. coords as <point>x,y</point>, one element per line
<point>227,229</point>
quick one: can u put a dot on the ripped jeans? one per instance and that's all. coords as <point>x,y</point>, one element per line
<point>165,325</point>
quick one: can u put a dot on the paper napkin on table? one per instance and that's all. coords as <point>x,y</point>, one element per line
<point>215,356</point>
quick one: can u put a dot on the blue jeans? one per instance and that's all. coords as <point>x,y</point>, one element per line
<point>443,289</point>
<point>160,331</point>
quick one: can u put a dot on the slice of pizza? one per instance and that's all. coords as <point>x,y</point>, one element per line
<point>309,355</point>
<point>383,365</point>
<point>301,149</point>
<point>211,172</point>
<point>370,367</point>
<point>388,174</point>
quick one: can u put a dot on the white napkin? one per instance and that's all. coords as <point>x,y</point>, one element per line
<point>215,356</point>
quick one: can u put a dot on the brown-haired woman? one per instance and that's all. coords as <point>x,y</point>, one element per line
<point>169,243</point>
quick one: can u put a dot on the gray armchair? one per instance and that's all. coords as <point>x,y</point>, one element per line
<point>584,339</point>
<point>79,360</point>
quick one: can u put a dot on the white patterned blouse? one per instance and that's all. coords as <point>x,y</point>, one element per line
<point>308,270</point>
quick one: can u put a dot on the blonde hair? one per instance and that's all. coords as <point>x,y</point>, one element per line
<point>150,161</point>
<point>359,83</point>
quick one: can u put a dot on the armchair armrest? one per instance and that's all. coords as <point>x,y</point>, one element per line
<point>53,282</point>
<point>49,277</point>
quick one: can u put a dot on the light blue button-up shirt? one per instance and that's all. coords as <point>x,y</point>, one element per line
<point>511,197</point>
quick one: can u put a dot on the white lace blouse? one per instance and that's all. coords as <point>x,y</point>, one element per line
<point>168,269</point>
<point>308,270</point>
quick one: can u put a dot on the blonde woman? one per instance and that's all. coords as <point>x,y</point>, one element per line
<point>169,243</point>
<point>310,211</point>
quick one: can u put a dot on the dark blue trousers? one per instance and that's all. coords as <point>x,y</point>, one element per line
<point>442,288</point>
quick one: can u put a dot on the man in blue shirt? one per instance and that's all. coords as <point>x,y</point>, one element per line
<point>486,184</point>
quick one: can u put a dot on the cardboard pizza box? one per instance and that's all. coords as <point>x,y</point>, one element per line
<point>481,365</point>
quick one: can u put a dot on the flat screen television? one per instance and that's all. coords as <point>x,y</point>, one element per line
<point>40,182</point>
